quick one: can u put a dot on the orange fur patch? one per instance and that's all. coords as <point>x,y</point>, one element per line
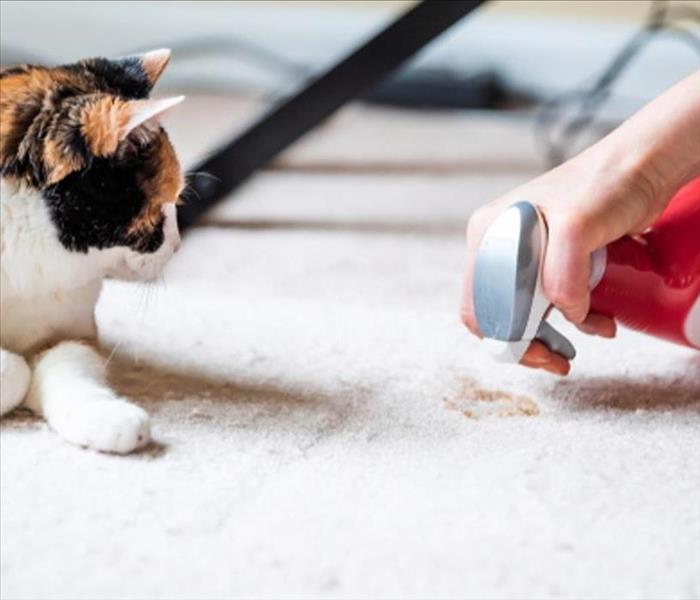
<point>103,122</point>
<point>165,187</point>
<point>33,86</point>
<point>59,164</point>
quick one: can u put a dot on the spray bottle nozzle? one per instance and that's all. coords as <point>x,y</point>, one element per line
<point>509,302</point>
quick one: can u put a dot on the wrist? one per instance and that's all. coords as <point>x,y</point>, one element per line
<point>621,191</point>
<point>658,147</point>
<point>641,170</point>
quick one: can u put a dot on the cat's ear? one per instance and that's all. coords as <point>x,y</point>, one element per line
<point>109,120</point>
<point>103,121</point>
<point>143,111</point>
<point>152,63</point>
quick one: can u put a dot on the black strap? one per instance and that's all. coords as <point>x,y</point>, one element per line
<point>227,168</point>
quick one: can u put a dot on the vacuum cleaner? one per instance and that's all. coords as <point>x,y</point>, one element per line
<point>649,282</point>
<point>355,75</point>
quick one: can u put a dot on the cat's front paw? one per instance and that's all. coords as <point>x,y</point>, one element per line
<point>14,380</point>
<point>110,426</point>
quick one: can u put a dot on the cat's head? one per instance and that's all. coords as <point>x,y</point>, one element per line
<point>86,136</point>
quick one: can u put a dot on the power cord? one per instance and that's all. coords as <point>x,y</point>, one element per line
<point>563,120</point>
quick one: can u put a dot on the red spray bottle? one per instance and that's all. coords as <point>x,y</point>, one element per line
<point>649,282</point>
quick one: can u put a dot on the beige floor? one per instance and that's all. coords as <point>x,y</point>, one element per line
<point>325,428</point>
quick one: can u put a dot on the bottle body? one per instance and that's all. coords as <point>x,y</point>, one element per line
<point>651,282</point>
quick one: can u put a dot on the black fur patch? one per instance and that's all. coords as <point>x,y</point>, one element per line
<point>95,208</point>
<point>16,70</point>
<point>124,77</point>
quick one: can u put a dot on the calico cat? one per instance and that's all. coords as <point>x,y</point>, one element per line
<point>89,187</point>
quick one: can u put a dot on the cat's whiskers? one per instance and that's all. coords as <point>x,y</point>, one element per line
<point>134,355</point>
<point>190,189</point>
<point>113,352</point>
<point>146,297</point>
<point>201,174</point>
<point>141,303</point>
<point>149,296</point>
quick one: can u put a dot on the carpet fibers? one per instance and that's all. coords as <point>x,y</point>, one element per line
<point>325,428</point>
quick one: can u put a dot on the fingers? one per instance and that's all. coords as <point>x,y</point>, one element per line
<point>538,356</point>
<point>567,265</point>
<point>597,324</point>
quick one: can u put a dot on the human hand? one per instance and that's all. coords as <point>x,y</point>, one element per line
<point>617,187</point>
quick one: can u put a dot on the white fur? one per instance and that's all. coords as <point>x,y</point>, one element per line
<point>14,380</point>
<point>47,299</point>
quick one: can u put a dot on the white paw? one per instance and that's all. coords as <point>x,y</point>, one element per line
<point>109,426</point>
<point>14,380</point>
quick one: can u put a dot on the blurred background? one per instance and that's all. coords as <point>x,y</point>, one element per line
<point>543,47</point>
<point>508,54</point>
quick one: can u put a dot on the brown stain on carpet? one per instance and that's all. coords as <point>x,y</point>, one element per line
<point>475,402</point>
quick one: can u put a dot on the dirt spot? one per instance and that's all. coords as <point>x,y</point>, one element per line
<point>475,402</point>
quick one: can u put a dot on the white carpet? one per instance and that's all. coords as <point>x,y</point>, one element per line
<point>326,429</point>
